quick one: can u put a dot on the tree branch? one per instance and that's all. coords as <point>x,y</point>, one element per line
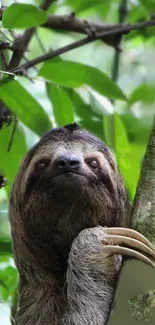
<point>7,46</point>
<point>46,4</point>
<point>19,47</point>
<point>73,24</point>
<point>143,214</point>
<point>135,299</point>
<point>22,42</point>
<point>89,39</point>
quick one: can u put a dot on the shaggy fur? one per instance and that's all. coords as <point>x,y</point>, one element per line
<point>55,213</point>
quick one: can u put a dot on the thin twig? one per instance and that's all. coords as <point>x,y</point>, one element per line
<point>22,42</point>
<point>122,15</point>
<point>40,42</point>
<point>122,12</point>
<point>7,38</point>
<point>12,134</point>
<point>89,39</point>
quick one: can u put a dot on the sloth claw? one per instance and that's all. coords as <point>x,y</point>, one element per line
<point>129,242</point>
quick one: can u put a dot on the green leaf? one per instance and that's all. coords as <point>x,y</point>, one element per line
<point>128,162</point>
<point>5,247</point>
<point>62,106</point>
<point>99,104</point>
<point>9,281</point>
<point>108,129</point>
<point>85,115</point>
<point>127,157</point>
<point>24,105</point>
<point>143,92</point>
<point>9,161</point>
<point>20,15</point>
<point>74,75</point>
<point>4,257</point>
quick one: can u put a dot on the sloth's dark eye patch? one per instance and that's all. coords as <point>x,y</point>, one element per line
<point>41,165</point>
<point>92,162</point>
<point>35,175</point>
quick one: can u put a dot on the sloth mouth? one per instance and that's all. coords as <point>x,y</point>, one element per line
<point>69,174</point>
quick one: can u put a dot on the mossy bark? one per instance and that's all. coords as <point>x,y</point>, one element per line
<point>143,214</point>
<point>135,293</point>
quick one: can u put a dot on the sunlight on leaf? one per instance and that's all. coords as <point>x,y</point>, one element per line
<point>143,92</point>
<point>24,105</point>
<point>62,106</point>
<point>126,155</point>
<point>75,75</point>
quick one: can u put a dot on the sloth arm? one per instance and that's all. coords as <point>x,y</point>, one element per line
<point>93,267</point>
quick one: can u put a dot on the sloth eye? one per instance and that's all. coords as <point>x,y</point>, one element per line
<point>42,164</point>
<point>93,163</point>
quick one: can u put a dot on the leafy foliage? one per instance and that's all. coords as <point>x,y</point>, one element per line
<point>10,159</point>
<point>20,15</point>
<point>62,106</point>
<point>78,86</point>
<point>24,105</point>
<point>74,75</point>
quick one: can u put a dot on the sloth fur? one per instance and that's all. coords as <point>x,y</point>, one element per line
<point>67,187</point>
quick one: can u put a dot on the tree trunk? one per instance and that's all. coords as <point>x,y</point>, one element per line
<point>135,294</point>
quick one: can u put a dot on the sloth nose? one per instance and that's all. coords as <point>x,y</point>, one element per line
<point>67,163</point>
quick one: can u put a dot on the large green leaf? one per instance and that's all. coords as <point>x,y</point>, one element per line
<point>24,105</point>
<point>9,161</point>
<point>143,92</point>
<point>85,115</point>
<point>61,103</point>
<point>20,15</point>
<point>74,75</point>
<point>127,156</point>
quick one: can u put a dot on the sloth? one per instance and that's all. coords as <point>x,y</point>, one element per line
<point>69,212</point>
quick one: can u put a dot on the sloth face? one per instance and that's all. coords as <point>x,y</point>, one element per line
<point>69,162</point>
<point>67,182</point>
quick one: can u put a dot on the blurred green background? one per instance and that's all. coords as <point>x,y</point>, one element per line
<point>110,94</point>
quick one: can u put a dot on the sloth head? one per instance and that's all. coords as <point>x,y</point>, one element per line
<point>67,182</point>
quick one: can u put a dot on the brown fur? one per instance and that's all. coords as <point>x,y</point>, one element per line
<point>47,211</point>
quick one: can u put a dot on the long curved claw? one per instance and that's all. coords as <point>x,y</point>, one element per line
<point>119,241</point>
<point>130,242</point>
<point>128,233</point>
<point>129,252</point>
